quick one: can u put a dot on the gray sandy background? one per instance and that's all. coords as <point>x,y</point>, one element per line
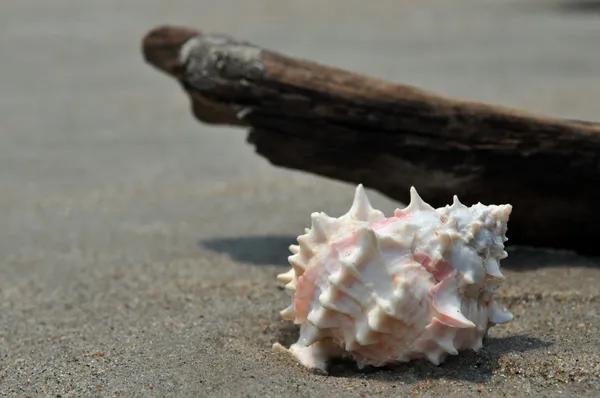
<point>139,249</point>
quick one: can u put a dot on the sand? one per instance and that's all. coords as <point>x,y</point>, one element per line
<point>139,248</point>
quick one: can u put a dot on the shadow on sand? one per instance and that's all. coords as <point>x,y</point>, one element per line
<point>584,7</point>
<point>468,365</point>
<point>273,250</point>
<point>527,259</point>
<point>257,250</point>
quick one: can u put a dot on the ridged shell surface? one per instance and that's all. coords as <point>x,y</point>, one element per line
<point>419,284</point>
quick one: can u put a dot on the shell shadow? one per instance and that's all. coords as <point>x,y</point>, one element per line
<point>468,365</point>
<point>286,333</point>
<point>471,366</point>
<point>476,367</point>
<point>257,250</point>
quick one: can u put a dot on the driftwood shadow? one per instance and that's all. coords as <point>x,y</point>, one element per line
<point>581,7</point>
<point>468,365</point>
<point>257,250</point>
<point>527,259</point>
<point>273,250</point>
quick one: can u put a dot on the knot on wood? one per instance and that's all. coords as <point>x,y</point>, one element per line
<point>217,59</point>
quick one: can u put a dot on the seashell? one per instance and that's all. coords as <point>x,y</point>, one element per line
<point>420,284</point>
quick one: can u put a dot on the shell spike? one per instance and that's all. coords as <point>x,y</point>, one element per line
<point>454,318</point>
<point>305,244</point>
<point>447,343</point>
<point>499,315</point>
<point>361,209</point>
<point>319,227</point>
<point>447,304</point>
<point>288,313</point>
<point>445,242</point>
<point>502,212</point>
<point>435,357</point>
<point>492,268</point>
<point>361,204</point>
<point>416,203</point>
<point>456,204</point>
<point>367,249</point>
<point>294,249</point>
<point>287,277</point>
<point>298,264</point>
<point>367,238</point>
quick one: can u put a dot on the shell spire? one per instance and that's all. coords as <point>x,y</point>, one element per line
<point>420,284</point>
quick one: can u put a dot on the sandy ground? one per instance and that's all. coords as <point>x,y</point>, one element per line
<point>138,248</point>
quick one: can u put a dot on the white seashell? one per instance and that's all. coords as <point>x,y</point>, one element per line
<point>420,284</point>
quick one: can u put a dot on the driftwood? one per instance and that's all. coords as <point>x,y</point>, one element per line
<point>354,128</point>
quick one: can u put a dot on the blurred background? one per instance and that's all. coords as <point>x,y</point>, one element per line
<point>112,197</point>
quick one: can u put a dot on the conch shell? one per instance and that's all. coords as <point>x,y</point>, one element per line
<point>420,284</point>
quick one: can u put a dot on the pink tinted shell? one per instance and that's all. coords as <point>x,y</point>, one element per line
<point>420,284</point>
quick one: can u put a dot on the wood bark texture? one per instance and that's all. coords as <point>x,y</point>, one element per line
<point>350,127</point>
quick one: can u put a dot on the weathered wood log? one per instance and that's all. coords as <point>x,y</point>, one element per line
<point>358,129</point>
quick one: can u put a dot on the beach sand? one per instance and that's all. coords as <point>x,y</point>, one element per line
<point>139,248</point>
